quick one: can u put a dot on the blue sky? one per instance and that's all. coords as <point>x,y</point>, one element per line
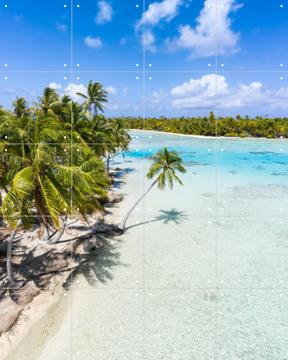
<point>229,56</point>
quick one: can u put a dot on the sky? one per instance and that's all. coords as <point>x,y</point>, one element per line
<point>167,58</point>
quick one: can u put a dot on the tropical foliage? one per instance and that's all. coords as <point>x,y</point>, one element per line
<point>53,158</point>
<point>214,126</point>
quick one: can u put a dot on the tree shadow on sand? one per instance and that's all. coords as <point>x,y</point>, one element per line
<point>98,263</point>
<point>166,216</point>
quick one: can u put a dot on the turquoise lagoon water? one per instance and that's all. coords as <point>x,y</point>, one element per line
<point>254,157</point>
<point>200,274</point>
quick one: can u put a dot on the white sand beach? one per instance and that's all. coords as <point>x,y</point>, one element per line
<point>201,272</point>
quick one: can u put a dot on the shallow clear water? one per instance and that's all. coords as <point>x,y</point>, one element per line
<point>201,272</point>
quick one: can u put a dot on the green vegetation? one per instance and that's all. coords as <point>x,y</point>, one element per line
<point>54,162</point>
<point>212,126</point>
<point>165,165</point>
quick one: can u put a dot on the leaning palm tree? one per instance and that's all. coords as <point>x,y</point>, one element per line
<point>94,98</point>
<point>165,165</point>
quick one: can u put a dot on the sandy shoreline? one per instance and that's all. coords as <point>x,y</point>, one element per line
<point>30,316</point>
<point>44,300</point>
<point>208,137</point>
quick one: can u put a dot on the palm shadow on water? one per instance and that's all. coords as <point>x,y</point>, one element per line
<point>167,217</point>
<point>117,178</point>
<point>98,265</point>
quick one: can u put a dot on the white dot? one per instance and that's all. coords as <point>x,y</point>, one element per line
<point>137,6</point>
<point>5,5</point>
<point>65,5</point>
<point>78,6</point>
<point>281,5</point>
<point>209,65</point>
<point>222,65</point>
<point>137,77</point>
<point>64,150</point>
<point>281,65</point>
<point>78,78</point>
<point>150,6</point>
<point>65,65</point>
<point>137,65</point>
<point>150,65</point>
<point>65,77</point>
<point>6,65</point>
<point>281,78</point>
<point>78,65</point>
<point>5,77</point>
<point>150,77</point>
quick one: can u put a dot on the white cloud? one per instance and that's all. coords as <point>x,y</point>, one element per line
<point>111,90</point>
<point>165,10</point>
<point>212,91</point>
<point>212,35</point>
<point>148,40</point>
<point>157,11</point>
<point>54,85</point>
<point>93,42</point>
<point>208,84</point>
<point>105,13</point>
<point>72,90</point>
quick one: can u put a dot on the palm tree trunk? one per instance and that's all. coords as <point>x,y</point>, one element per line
<point>54,240</point>
<point>1,216</point>
<point>122,225</point>
<point>11,279</point>
<point>108,164</point>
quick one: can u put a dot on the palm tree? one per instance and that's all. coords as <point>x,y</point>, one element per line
<point>50,178</point>
<point>20,107</point>
<point>94,98</point>
<point>119,141</point>
<point>49,99</point>
<point>165,165</point>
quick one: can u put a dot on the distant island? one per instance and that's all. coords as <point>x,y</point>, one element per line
<point>214,126</point>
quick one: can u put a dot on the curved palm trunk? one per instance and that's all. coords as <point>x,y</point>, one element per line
<point>11,279</point>
<point>122,226</point>
<point>54,240</point>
